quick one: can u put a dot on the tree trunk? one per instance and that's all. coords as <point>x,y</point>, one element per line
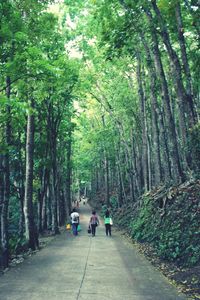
<point>177,75</point>
<point>48,204</point>
<point>30,228</point>
<point>154,110</point>
<point>21,190</point>
<point>61,197</point>
<point>44,213</point>
<point>68,173</point>
<point>135,167</point>
<point>55,229</point>
<point>107,183</point>
<point>166,163</point>
<point>6,182</point>
<point>186,68</point>
<point>174,153</point>
<point>119,188</point>
<point>2,186</point>
<point>143,125</point>
<point>97,179</point>
<point>120,178</point>
<point>149,160</point>
<point>42,206</point>
<point>53,176</point>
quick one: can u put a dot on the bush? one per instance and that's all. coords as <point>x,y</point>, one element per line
<point>113,202</point>
<point>171,228</point>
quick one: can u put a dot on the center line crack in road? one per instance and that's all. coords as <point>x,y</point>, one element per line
<point>86,263</point>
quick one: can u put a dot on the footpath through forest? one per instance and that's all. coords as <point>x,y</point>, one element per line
<point>86,267</point>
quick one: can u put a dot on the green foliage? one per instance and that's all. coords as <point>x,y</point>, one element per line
<point>12,243</point>
<point>103,210</point>
<point>17,245</point>
<point>113,202</point>
<point>140,225</point>
<point>34,61</point>
<point>14,213</point>
<point>174,233</point>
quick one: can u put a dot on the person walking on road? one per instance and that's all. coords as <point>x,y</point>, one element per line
<point>94,222</point>
<point>75,221</point>
<point>107,222</point>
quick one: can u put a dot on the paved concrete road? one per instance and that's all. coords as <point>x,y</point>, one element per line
<point>85,267</point>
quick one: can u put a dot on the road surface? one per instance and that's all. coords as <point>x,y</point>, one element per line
<point>85,267</point>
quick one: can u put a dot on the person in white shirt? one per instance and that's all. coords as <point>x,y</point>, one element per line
<point>75,221</point>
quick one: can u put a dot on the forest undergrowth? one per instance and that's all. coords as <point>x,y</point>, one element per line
<point>164,225</point>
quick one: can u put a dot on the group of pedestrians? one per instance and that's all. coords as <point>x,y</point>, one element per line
<point>93,222</point>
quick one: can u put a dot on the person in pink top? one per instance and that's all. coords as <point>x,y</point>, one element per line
<point>94,222</point>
